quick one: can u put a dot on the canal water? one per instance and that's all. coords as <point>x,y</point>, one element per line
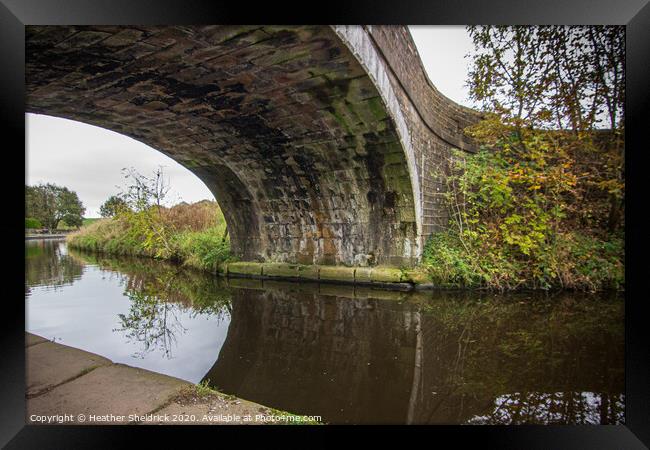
<point>349,354</point>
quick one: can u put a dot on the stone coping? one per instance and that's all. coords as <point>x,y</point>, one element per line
<point>379,276</point>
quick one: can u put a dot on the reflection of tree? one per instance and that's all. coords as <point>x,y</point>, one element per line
<point>524,360</point>
<point>152,322</point>
<point>48,264</point>
<point>160,294</point>
<point>558,407</point>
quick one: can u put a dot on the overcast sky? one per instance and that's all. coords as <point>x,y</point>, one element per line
<point>88,159</point>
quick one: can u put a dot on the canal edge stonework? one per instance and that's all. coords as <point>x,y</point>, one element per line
<point>69,386</point>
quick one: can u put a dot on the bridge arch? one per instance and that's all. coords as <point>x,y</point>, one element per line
<point>297,131</point>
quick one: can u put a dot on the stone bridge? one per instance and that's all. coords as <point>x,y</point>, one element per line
<point>322,145</point>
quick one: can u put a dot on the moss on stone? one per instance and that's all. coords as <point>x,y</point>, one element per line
<point>244,268</point>
<point>406,215</point>
<point>281,58</point>
<point>376,106</point>
<point>308,272</point>
<point>340,119</point>
<point>386,275</point>
<point>416,276</point>
<point>395,158</point>
<point>363,275</point>
<point>280,270</point>
<point>336,273</point>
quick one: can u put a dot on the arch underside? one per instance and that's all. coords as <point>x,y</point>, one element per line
<point>281,123</point>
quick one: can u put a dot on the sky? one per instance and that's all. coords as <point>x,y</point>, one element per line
<point>89,160</point>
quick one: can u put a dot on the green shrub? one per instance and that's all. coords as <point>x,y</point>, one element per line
<point>571,261</point>
<point>204,249</point>
<point>31,223</point>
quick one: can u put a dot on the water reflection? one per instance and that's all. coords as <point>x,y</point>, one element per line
<point>159,294</point>
<point>133,311</point>
<point>557,407</point>
<point>426,358</point>
<point>351,355</point>
<point>48,264</point>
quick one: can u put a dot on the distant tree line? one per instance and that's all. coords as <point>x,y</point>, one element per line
<point>48,205</point>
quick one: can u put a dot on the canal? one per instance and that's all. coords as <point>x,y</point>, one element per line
<point>349,354</point>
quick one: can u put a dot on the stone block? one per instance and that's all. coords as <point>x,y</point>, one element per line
<point>115,389</point>
<point>49,364</point>
<point>336,273</point>
<point>363,275</point>
<point>32,339</point>
<point>245,268</point>
<point>280,270</point>
<point>386,275</point>
<point>310,272</point>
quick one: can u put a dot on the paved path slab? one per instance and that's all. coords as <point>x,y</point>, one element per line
<point>49,364</point>
<point>66,385</point>
<point>32,339</point>
<point>108,394</point>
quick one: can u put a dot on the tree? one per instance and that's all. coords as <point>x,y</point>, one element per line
<point>50,204</point>
<point>564,78</point>
<point>567,77</point>
<point>113,206</point>
<point>540,203</point>
<point>145,197</point>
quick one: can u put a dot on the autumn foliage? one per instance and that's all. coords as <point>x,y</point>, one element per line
<point>541,205</point>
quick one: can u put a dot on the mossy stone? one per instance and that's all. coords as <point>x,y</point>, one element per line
<point>280,270</point>
<point>386,275</point>
<point>245,268</point>
<point>417,276</point>
<point>363,275</point>
<point>336,273</point>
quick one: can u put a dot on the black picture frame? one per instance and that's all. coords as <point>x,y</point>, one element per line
<point>635,14</point>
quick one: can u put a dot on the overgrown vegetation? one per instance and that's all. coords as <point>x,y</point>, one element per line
<point>192,234</point>
<point>541,205</point>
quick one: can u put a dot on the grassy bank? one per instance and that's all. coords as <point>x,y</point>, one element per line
<point>191,234</point>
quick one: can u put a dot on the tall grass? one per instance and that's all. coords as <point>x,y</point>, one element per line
<point>194,235</point>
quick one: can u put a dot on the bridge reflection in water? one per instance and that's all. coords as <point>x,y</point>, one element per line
<point>350,354</point>
<point>425,358</point>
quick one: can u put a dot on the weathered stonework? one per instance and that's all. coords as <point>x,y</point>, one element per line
<point>323,145</point>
